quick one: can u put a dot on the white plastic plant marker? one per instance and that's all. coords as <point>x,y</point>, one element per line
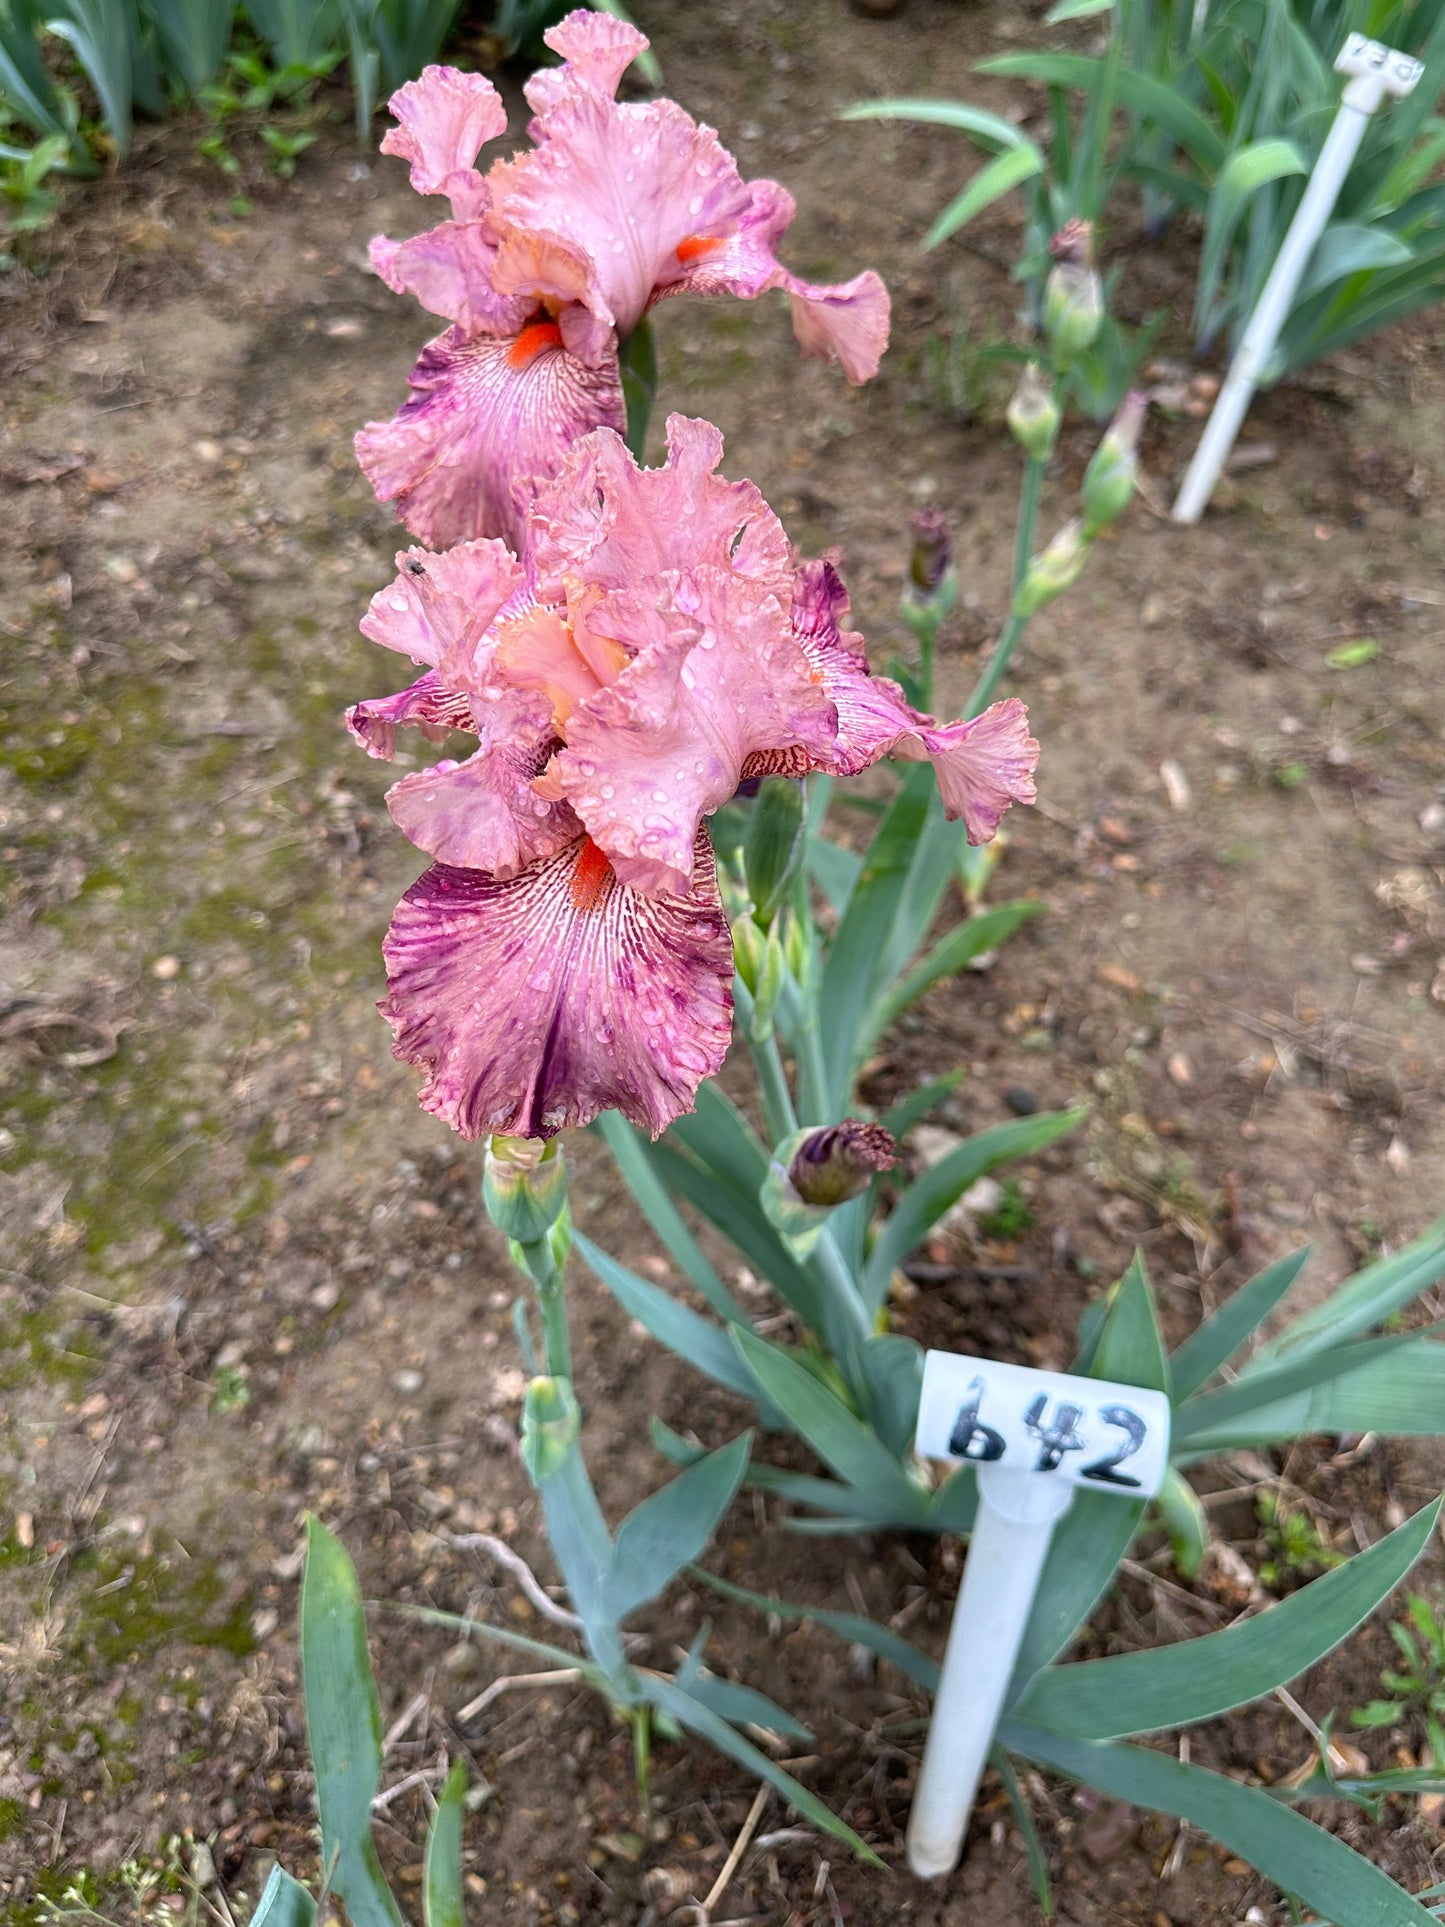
<point>1036,1437</point>
<point>1373,73</point>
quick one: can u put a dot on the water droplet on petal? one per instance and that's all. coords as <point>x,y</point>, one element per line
<point>400,604</point>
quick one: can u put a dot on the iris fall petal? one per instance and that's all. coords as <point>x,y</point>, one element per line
<point>534,1003</point>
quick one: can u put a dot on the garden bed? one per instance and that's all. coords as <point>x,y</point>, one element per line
<point>247,1277</point>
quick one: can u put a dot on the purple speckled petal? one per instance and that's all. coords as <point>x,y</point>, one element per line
<point>449,271</point>
<point>489,420</point>
<point>535,1003</point>
<point>440,608</point>
<point>982,765</point>
<point>433,710</point>
<point>443,120</point>
<point>719,676</point>
<point>626,185</point>
<point>610,523</point>
<point>483,814</point>
<point>848,321</point>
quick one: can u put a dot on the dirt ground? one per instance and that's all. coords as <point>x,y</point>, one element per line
<point>245,1276</point>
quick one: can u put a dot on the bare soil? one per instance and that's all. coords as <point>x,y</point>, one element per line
<point>246,1277</point>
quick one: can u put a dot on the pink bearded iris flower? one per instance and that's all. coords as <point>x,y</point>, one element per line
<point>549,262</point>
<point>660,644</point>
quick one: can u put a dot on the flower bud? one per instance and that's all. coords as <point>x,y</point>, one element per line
<point>811,1172</point>
<point>1033,415</point>
<point>750,952</point>
<point>1073,295</point>
<point>524,1186</point>
<point>931,552</point>
<point>839,1161</point>
<point>1050,573</point>
<point>1109,478</point>
<point>551,1426</point>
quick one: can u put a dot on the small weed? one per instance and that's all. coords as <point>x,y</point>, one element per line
<point>230,1394</point>
<point>158,1892</point>
<point>27,205</point>
<point>1417,1688</point>
<point>1297,1551</point>
<point>1012,1217</point>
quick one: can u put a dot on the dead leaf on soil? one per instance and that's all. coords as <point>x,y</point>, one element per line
<point>31,1023</point>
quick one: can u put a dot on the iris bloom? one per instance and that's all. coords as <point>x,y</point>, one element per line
<point>549,262</point>
<point>659,644</point>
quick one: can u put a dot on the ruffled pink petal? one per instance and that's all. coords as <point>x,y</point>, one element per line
<point>443,120</point>
<point>848,321</point>
<point>626,186</point>
<point>847,324</point>
<point>449,271</point>
<point>597,47</point>
<point>489,420</point>
<point>611,523</point>
<point>440,608</point>
<point>982,765</point>
<point>483,814</point>
<point>719,676</point>
<point>535,1003</point>
<point>433,710</point>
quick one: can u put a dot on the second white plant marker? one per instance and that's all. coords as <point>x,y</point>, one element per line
<point>1036,1437</point>
<point>1373,73</point>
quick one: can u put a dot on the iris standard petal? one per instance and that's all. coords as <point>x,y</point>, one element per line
<point>443,120</point>
<point>847,322</point>
<point>717,677</point>
<point>626,185</point>
<point>598,49</point>
<point>427,705</point>
<point>489,420</point>
<point>440,607</point>
<point>534,1004</point>
<point>612,524</point>
<point>448,269</point>
<point>982,765</point>
<point>483,814</point>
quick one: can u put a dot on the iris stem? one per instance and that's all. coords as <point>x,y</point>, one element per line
<point>556,1339</point>
<point>833,1267</point>
<point>782,1119</point>
<point>1030,492</point>
<point>637,365</point>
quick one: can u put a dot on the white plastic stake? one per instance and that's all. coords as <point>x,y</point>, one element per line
<point>1373,72</point>
<point>1036,1437</point>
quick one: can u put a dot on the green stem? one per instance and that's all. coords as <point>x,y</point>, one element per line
<point>637,365</point>
<point>782,1119</point>
<point>1030,493</point>
<point>841,1283</point>
<point>556,1339</point>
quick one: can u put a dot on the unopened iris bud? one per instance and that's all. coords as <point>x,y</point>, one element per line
<point>1049,574</point>
<point>931,553</point>
<point>812,1172</point>
<point>551,1426</point>
<point>1033,415</point>
<point>839,1161</point>
<point>1110,477</point>
<point>1073,295</point>
<point>750,952</point>
<point>524,1186</point>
